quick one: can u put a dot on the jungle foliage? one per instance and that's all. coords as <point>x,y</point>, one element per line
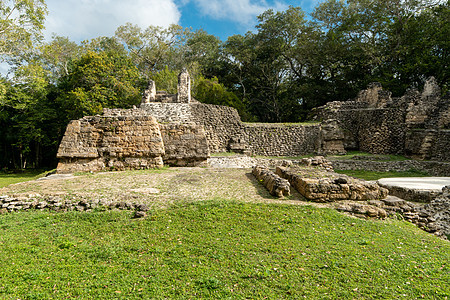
<point>288,65</point>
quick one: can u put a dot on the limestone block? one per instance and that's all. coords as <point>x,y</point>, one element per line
<point>185,144</point>
<point>321,186</point>
<point>276,185</point>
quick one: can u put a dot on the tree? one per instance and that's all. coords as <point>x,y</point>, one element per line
<point>21,24</point>
<point>153,48</point>
<point>57,55</point>
<point>99,80</point>
<point>212,92</point>
<point>30,120</point>
<point>203,49</point>
<point>372,32</point>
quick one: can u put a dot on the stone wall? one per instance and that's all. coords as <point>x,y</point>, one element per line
<point>434,168</point>
<point>416,124</point>
<point>185,144</point>
<point>102,142</point>
<point>281,140</point>
<point>221,124</point>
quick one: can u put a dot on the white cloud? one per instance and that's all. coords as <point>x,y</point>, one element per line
<point>86,19</point>
<point>240,11</point>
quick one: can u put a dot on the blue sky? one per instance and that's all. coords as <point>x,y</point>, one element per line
<point>86,19</point>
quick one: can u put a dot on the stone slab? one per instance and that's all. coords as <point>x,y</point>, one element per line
<point>418,183</point>
<point>417,189</point>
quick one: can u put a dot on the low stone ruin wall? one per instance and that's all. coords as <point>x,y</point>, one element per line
<point>243,161</point>
<point>55,203</point>
<point>437,213</point>
<point>415,195</point>
<point>276,185</point>
<point>319,186</point>
<point>434,168</point>
<point>185,144</point>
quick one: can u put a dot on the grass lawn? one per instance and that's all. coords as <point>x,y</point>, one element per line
<point>219,249</point>
<point>373,175</point>
<point>10,178</point>
<point>370,156</point>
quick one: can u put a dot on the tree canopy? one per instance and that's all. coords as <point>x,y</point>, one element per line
<point>21,24</point>
<point>288,65</point>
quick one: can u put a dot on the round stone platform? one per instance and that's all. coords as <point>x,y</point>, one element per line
<point>419,189</point>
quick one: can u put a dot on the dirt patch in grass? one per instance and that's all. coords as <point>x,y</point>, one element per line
<point>157,188</point>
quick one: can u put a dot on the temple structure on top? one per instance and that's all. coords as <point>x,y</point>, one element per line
<point>183,95</point>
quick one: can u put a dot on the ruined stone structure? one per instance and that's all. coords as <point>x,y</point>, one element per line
<point>318,185</point>
<point>178,130</point>
<point>102,142</point>
<point>416,125</point>
<point>276,185</point>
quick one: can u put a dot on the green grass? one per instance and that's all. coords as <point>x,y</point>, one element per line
<point>222,250</point>
<point>220,154</point>
<point>377,157</point>
<point>373,175</point>
<point>10,178</point>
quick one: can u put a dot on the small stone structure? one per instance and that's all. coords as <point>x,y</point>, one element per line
<point>321,186</point>
<point>184,87</point>
<point>150,93</point>
<point>276,185</point>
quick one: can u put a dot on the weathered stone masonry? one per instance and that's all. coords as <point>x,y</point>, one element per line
<point>178,130</point>
<point>100,142</point>
<point>416,125</point>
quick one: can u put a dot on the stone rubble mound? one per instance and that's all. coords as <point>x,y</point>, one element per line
<point>321,186</point>
<point>433,217</point>
<point>439,210</point>
<point>56,203</point>
<point>276,185</point>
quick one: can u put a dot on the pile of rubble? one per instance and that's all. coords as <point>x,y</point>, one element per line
<point>276,185</point>
<point>431,217</point>
<point>56,203</point>
<point>323,186</point>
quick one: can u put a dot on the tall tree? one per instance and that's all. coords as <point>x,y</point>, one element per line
<point>99,80</point>
<point>21,24</point>
<point>153,48</point>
